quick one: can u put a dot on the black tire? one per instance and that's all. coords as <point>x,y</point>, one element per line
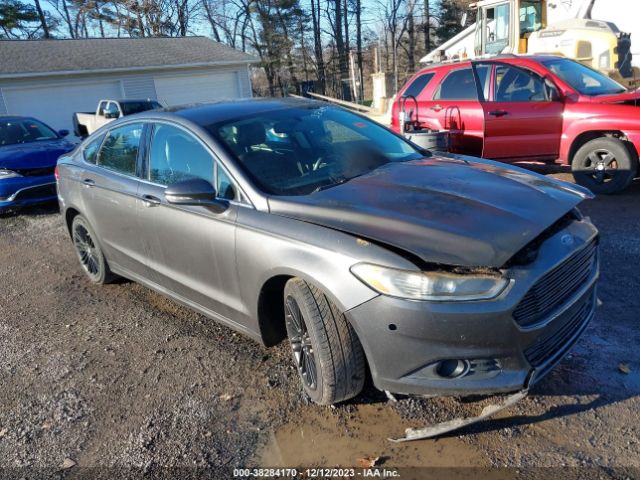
<point>605,165</point>
<point>89,252</point>
<point>325,347</point>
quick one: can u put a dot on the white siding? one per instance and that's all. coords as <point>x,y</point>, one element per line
<point>197,88</point>
<point>139,87</point>
<point>54,99</point>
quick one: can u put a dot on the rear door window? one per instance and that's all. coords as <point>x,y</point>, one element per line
<point>119,152</point>
<point>458,85</point>
<point>418,85</point>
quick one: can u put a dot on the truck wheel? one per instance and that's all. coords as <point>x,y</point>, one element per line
<point>89,252</point>
<point>326,351</point>
<point>605,165</point>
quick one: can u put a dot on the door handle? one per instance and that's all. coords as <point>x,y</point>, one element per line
<point>89,182</point>
<point>150,200</point>
<point>437,108</point>
<point>498,113</point>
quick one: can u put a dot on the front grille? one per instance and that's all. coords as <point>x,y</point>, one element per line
<point>37,192</point>
<point>552,346</point>
<point>557,286</point>
<point>36,172</point>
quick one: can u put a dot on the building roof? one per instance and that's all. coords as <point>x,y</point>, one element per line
<point>44,57</point>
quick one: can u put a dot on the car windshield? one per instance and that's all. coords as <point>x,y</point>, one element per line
<point>17,131</point>
<point>300,150</point>
<point>129,108</point>
<point>584,79</point>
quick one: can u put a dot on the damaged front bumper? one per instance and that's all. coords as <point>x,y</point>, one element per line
<point>486,347</point>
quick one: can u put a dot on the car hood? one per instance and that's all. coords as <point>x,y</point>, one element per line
<point>631,98</point>
<point>445,210</point>
<point>33,155</point>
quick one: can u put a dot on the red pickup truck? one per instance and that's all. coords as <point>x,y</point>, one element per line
<point>530,109</point>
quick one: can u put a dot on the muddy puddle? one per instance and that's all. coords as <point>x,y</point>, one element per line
<point>321,438</point>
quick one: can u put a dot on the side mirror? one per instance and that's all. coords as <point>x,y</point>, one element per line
<point>63,133</point>
<point>195,191</point>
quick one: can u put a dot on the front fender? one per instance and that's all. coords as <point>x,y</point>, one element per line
<point>269,246</point>
<point>618,118</point>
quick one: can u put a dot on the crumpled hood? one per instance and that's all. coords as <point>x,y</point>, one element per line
<point>445,210</point>
<point>33,155</point>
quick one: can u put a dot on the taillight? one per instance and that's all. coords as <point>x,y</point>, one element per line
<point>56,173</point>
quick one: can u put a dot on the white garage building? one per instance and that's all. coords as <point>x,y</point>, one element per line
<point>51,79</point>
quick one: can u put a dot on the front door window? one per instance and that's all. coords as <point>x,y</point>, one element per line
<point>176,155</point>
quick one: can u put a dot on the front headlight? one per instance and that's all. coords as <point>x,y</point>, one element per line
<point>4,173</point>
<point>435,286</point>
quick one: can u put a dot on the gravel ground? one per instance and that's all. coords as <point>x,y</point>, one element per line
<point>118,377</point>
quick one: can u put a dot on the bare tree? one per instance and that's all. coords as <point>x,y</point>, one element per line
<point>358,8</point>
<point>317,44</point>
<point>426,27</point>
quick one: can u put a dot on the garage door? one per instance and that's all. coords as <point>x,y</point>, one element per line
<point>198,88</point>
<point>55,104</point>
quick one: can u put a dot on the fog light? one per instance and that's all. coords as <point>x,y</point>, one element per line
<point>452,368</point>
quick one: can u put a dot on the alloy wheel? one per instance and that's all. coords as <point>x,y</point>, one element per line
<point>301,344</point>
<point>87,250</point>
<point>602,165</point>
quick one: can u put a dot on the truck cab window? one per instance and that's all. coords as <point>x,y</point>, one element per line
<point>497,28</point>
<point>530,16</point>
<point>112,109</point>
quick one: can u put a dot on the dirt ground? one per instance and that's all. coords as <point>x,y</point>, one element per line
<point>96,379</point>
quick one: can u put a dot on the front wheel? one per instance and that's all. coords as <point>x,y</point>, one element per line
<point>326,351</point>
<point>89,252</point>
<point>605,165</point>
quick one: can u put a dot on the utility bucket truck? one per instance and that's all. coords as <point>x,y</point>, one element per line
<point>520,26</point>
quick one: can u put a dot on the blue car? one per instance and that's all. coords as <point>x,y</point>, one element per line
<point>29,150</point>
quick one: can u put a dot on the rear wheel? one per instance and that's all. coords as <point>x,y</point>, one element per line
<point>89,252</point>
<point>605,165</point>
<point>326,351</point>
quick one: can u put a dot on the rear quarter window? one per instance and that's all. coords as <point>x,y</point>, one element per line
<point>90,151</point>
<point>417,86</point>
<point>457,85</point>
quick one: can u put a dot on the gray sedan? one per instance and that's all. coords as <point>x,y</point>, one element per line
<point>292,219</point>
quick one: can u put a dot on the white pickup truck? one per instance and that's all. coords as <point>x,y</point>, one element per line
<point>85,123</point>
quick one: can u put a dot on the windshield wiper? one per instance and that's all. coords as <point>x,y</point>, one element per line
<point>329,185</point>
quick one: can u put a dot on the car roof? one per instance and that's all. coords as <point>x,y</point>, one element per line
<point>204,114</point>
<point>512,59</point>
